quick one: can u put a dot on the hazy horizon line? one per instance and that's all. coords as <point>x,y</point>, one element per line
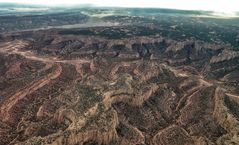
<point>225,6</point>
<point>93,5</point>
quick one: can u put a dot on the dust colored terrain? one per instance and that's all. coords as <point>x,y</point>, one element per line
<point>68,89</point>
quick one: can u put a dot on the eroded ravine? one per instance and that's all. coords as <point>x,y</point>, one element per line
<point>139,90</point>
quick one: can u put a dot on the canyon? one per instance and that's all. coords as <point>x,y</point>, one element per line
<point>71,87</point>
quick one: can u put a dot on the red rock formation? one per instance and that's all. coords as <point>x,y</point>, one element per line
<point>65,90</point>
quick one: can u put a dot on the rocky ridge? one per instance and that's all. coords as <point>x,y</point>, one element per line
<point>76,89</point>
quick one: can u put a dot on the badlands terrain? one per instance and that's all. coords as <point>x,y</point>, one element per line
<point>63,88</point>
<point>119,84</point>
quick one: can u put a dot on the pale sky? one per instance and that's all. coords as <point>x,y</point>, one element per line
<point>226,6</point>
